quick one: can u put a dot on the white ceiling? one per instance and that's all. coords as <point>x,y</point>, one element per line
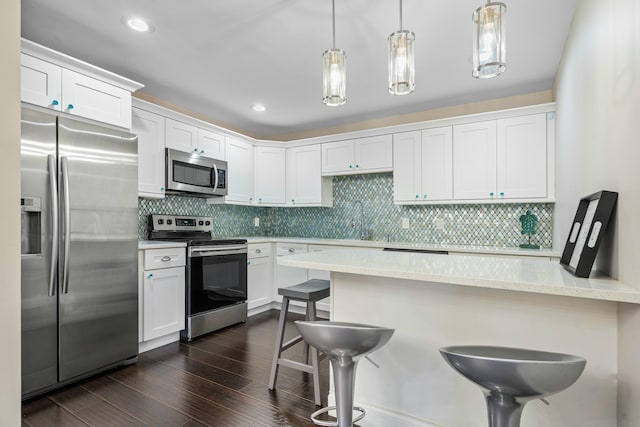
<point>219,57</point>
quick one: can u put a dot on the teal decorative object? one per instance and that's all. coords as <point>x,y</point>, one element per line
<point>529,221</point>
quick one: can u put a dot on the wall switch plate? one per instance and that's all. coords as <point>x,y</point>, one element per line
<point>256,222</point>
<point>405,223</point>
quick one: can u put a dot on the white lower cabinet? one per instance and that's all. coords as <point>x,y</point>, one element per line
<point>259,275</point>
<point>289,276</point>
<point>161,296</point>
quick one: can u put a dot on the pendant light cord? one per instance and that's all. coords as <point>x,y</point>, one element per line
<point>401,15</point>
<point>333,14</point>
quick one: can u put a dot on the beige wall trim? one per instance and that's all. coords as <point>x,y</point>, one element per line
<point>525,100</point>
<point>10,371</point>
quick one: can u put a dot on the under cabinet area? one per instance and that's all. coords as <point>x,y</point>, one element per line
<point>161,296</point>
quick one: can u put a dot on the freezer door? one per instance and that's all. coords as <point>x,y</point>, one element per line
<point>39,276</point>
<point>98,301</point>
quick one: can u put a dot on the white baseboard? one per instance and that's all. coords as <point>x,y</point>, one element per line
<point>158,342</point>
<point>381,417</point>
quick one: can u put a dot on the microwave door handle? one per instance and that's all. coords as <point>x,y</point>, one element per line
<point>53,188</point>
<point>215,172</point>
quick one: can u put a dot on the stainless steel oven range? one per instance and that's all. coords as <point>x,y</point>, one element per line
<point>216,294</point>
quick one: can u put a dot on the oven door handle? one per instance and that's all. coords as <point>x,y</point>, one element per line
<point>198,253</point>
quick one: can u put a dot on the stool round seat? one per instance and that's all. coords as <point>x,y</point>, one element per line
<point>344,344</point>
<point>510,377</point>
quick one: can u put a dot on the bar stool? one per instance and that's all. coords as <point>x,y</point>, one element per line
<point>309,292</point>
<point>344,344</point>
<point>511,377</point>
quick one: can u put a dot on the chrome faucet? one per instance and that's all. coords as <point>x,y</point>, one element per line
<point>364,235</point>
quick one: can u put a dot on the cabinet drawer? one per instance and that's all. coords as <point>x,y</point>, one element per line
<point>284,249</point>
<point>164,258</point>
<point>259,250</point>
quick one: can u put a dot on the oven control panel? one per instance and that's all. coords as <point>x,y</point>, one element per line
<point>181,223</point>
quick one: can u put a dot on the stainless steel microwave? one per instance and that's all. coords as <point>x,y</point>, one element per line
<point>195,174</point>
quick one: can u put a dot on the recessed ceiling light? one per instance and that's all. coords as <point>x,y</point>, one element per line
<point>138,24</point>
<point>258,107</point>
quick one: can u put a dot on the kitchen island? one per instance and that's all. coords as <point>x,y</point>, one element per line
<point>439,300</point>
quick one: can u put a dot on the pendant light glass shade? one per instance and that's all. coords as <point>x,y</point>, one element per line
<point>489,47</point>
<point>402,73</point>
<point>334,81</point>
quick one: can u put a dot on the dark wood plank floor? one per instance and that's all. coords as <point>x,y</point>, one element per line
<point>217,380</point>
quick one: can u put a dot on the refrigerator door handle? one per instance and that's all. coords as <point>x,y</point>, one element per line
<point>53,180</point>
<point>67,223</point>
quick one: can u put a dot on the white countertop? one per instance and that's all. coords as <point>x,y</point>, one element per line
<point>159,244</point>
<point>525,275</point>
<point>493,250</point>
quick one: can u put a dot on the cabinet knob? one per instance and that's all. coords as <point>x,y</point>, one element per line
<point>292,250</point>
<point>491,194</point>
<point>162,189</point>
<point>201,151</point>
<point>195,150</point>
<point>357,166</point>
<point>259,199</point>
<point>258,251</point>
<point>501,193</point>
<point>70,107</point>
<point>293,201</point>
<point>250,199</point>
<point>149,276</point>
<point>350,167</point>
<point>424,196</point>
<point>248,262</point>
<point>55,102</point>
<point>417,196</point>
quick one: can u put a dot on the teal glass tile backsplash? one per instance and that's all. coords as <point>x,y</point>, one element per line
<point>484,225</point>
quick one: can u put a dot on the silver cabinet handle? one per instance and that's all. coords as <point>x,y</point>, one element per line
<point>292,250</point>
<point>258,251</point>
<point>53,180</point>
<point>165,258</point>
<point>67,223</point>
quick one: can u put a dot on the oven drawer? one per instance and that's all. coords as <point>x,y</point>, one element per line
<point>259,250</point>
<point>164,258</point>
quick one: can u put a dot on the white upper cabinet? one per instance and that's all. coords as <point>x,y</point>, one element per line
<point>61,83</point>
<point>363,155</point>
<point>522,157</point>
<point>240,172</point>
<point>474,161</point>
<point>422,166</point>
<point>270,176</point>
<point>192,139</point>
<point>305,184</point>
<point>150,129</point>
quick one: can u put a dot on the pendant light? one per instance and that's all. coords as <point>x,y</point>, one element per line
<point>402,73</point>
<point>334,82</point>
<point>489,48</point>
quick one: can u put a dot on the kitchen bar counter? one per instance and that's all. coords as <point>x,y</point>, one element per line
<point>433,301</point>
<point>489,250</point>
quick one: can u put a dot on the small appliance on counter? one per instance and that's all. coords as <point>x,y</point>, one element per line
<point>216,295</point>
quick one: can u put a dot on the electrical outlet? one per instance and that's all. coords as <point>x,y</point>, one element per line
<point>405,223</point>
<point>256,222</point>
<point>439,223</point>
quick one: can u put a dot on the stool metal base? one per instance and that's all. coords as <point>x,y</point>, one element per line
<point>335,423</point>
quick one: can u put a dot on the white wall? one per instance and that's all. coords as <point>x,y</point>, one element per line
<point>9,213</point>
<point>598,147</point>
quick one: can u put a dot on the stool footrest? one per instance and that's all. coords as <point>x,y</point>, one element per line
<point>296,365</point>
<point>335,423</point>
<point>291,343</point>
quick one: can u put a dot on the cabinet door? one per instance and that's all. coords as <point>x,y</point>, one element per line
<point>522,157</point>
<point>211,144</point>
<point>87,97</point>
<point>240,173</point>
<point>474,161</point>
<point>437,164</point>
<point>40,82</point>
<point>304,175</point>
<point>181,136</point>
<point>288,276</point>
<point>374,153</point>
<point>259,282</point>
<point>337,157</point>
<point>151,157</point>
<point>407,166</point>
<point>270,176</point>
<point>164,302</point>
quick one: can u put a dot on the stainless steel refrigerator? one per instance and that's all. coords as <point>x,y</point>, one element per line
<point>79,210</point>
